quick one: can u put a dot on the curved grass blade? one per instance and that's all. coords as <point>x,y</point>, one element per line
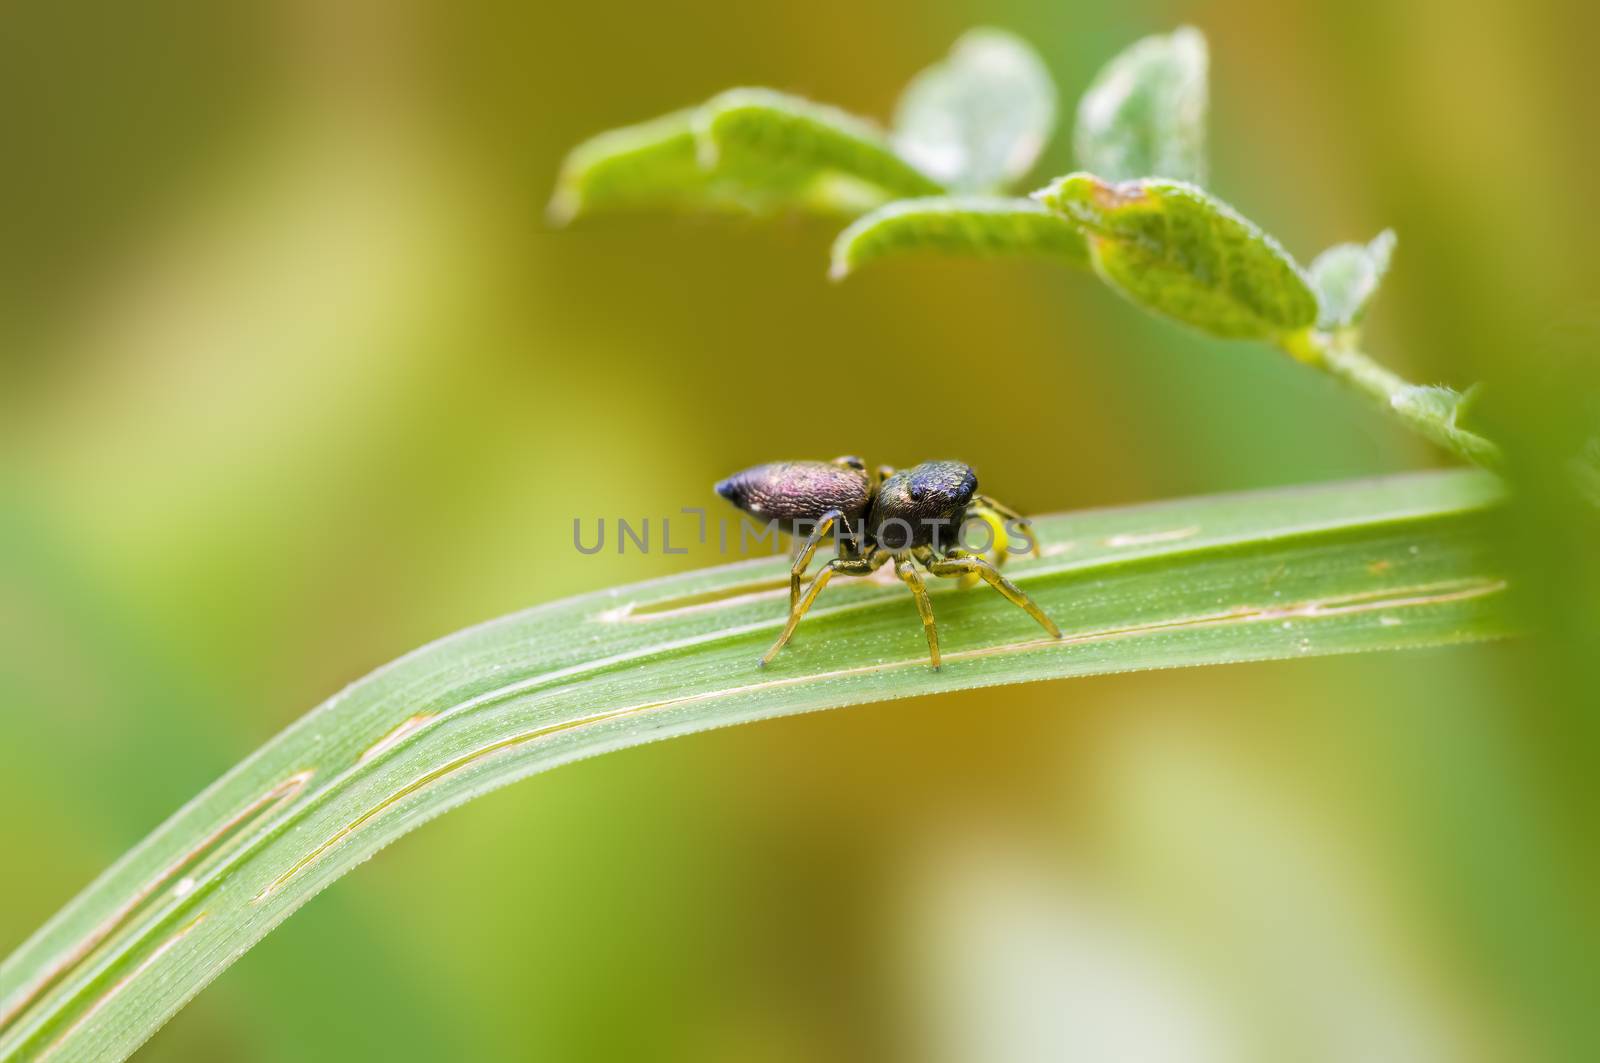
<point>957,225</point>
<point>1383,564</point>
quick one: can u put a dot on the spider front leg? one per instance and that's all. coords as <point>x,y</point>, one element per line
<point>965,564</point>
<point>850,566</point>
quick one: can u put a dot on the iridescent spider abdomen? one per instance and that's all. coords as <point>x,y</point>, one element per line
<point>797,494</point>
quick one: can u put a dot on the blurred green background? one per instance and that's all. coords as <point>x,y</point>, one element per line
<point>296,377</point>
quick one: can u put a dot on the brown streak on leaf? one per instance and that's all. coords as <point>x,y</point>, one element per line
<point>1112,196</point>
<point>401,730</point>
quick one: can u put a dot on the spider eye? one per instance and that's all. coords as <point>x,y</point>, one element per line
<point>917,492</point>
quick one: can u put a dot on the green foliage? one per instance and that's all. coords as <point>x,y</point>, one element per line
<point>1444,403</point>
<point>1346,277</point>
<point>974,122</point>
<point>1234,578</point>
<point>1432,412</point>
<point>963,225</point>
<point>1145,113</point>
<point>749,151</point>
<point>759,131</point>
<point>978,120</point>
<point>661,165</point>
<point>649,166</point>
<point>1175,250</point>
<point>1442,410</point>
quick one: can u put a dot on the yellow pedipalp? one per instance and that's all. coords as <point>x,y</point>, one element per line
<point>997,546</point>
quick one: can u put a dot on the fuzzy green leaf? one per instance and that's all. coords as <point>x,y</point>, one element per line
<point>959,225</point>
<point>978,120</point>
<point>1145,113</point>
<point>660,165</point>
<point>1170,247</point>
<point>1440,412</point>
<point>747,151</point>
<point>1383,564</point>
<point>1346,277</point>
<point>1447,404</point>
<point>755,131</point>
<point>649,166</point>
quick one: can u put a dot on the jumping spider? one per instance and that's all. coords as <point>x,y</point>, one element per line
<point>914,515</point>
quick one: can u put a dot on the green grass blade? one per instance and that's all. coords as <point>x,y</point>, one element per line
<point>1384,564</point>
<point>957,225</point>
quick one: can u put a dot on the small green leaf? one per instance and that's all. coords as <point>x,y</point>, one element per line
<point>1447,404</point>
<point>956,225</point>
<point>1440,412</point>
<point>1441,404</point>
<point>978,120</point>
<point>1346,277</point>
<point>747,151</point>
<point>756,132</point>
<point>1145,113</point>
<point>1173,249</point>
<point>659,165</point>
<point>649,166</point>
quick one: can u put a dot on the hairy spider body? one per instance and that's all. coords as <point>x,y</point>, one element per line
<point>913,516</point>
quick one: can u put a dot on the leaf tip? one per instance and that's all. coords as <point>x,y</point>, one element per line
<point>1192,39</point>
<point>565,204</point>
<point>1381,248</point>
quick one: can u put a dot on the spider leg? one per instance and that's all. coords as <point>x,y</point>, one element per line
<point>802,559</point>
<point>857,566</point>
<point>996,549</point>
<point>913,579</point>
<point>962,565</point>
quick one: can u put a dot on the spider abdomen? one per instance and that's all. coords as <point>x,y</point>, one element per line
<point>791,492</point>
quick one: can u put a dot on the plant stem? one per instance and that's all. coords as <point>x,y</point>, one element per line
<point>1421,408</point>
